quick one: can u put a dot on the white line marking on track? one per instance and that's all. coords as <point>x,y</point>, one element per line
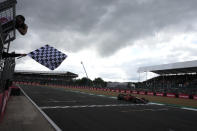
<point>142,110</point>
<point>151,103</point>
<point>91,94</point>
<point>113,97</point>
<point>71,101</point>
<point>89,106</point>
<point>101,95</point>
<point>191,109</point>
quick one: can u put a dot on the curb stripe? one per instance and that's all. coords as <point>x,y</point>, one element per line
<point>89,106</point>
<point>191,109</point>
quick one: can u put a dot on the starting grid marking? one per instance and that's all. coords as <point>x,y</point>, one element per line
<point>90,106</point>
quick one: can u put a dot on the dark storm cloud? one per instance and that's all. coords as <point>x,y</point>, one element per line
<point>106,25</point>
<point>59,15</point>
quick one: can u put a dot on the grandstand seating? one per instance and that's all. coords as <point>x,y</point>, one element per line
<point>52,78</point>
<point>185,83</point>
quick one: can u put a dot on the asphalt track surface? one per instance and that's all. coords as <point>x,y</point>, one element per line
<point>74,111</point>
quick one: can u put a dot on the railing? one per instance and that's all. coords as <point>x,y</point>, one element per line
<point>7,65</point>
<point>7,21</point>
<point>7,34</point>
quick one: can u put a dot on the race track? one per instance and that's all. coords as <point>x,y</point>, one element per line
<point>75,111</point>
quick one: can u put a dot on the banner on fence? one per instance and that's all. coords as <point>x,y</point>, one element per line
<point>150,93</point>
<point>170,95</point>
<point>159,94</point>
<point>185,96</point>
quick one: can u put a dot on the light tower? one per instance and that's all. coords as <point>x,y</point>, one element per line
<point>84,69</point>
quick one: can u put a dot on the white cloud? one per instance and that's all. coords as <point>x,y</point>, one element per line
<point>123,65</point>
<point>112,37</point>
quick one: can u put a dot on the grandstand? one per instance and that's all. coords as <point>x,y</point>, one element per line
<point>44,77</point>
<point>180,77</point>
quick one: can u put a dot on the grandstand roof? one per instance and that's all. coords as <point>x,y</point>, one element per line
<point>53,73</point>
<point>173,68</point>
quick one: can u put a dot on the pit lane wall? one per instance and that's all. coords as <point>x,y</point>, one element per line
<point>172,95</point>
<point>4,97</point>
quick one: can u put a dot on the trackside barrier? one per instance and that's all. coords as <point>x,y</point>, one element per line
<point>4,101</point>
<point>122,91</point>
<point>171,95</point>
<point>159,94</point>
<point>185,96</point>
<point>142,93</point>
<point>195,97</point>
<point>9,91</point>
<point>134,92</point>
<point>1,101</point>
<point>128,91</point>
<point>150,93</point>
<point>7,94</point>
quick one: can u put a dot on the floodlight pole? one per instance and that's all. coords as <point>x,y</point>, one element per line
<point>84,69</point>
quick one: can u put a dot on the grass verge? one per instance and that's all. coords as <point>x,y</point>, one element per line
<point>158,99</point>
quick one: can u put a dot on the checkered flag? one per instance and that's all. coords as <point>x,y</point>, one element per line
<point>48,56</point>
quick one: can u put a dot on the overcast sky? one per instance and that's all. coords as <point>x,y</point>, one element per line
<point>113,38</point>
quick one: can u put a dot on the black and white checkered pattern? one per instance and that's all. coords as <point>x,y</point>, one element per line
<point>48,56</point>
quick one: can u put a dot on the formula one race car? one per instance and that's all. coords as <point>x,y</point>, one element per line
<point>134,99</point>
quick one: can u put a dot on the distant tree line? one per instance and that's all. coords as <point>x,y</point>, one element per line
<point>97,82</point>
